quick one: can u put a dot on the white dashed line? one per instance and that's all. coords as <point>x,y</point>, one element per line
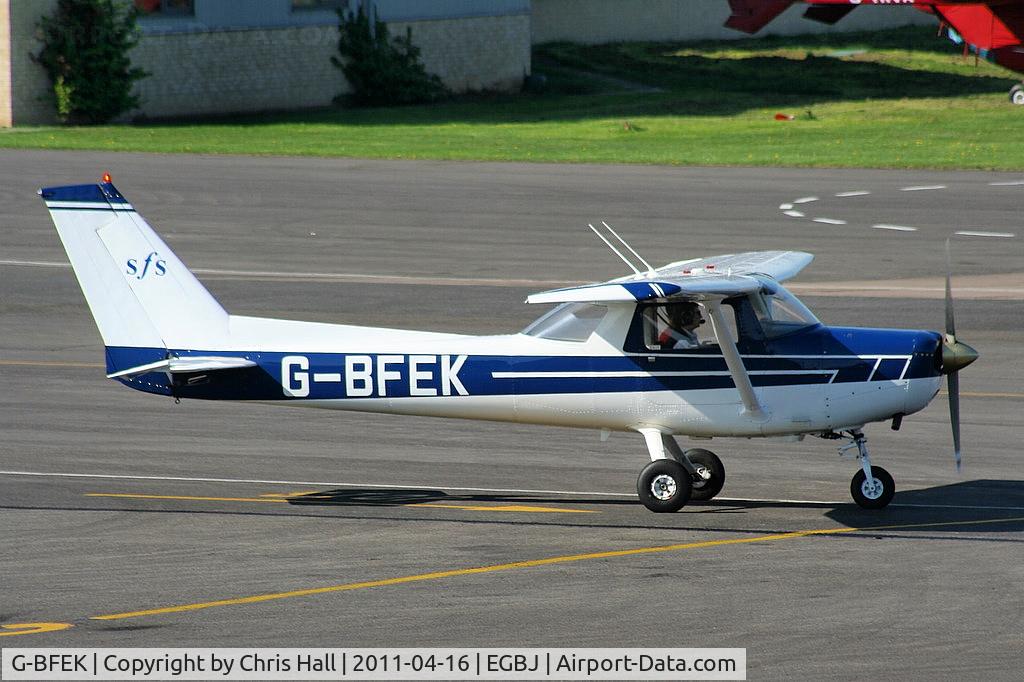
<point>830,221</point>
<point>972,233</point>
<point>805,200</point>
<point>1012,183</point>
<point>858,193</point>
<point>922,188</point>
<point>785,207</point>
<point>794,214</point>
<point>897,228</point>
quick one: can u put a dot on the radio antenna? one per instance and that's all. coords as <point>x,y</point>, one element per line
<point>617,252</point>
<point>650,269</point>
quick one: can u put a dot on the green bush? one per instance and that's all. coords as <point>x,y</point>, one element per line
<point>85,54</point>
<point>381,70</point>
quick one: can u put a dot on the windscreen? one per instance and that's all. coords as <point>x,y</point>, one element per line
<point>568,322</point>
<point>779,311</point>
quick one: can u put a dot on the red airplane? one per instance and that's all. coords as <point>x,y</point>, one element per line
<point>994,29</point>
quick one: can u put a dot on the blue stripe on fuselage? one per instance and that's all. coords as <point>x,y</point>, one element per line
<point>380,375</point>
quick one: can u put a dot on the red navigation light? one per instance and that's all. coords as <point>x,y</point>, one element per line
<point>106,177</point>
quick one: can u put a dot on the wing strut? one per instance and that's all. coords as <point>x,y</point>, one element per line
<point>734,362</point>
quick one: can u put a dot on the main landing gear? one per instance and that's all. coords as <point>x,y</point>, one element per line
<point>675,477</point>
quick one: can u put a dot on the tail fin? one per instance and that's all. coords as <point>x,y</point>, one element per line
<point>140,294</point>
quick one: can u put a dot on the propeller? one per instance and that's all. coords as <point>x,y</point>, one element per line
<point>955,356</point>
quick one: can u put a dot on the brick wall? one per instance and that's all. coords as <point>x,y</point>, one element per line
<point>605,21</point>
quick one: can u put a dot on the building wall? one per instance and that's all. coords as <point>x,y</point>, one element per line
<point>6,116</point>
<point>606,21</point>
<point>30,93</point>
<point>268,57</point>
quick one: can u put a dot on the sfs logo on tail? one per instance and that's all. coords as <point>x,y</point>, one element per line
<point>159,266</point>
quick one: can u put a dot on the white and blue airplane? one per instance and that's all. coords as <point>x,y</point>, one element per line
<point>610,356</point>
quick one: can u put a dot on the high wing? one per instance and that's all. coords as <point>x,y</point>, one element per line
<point>696,280</point>
<point>996,31</point>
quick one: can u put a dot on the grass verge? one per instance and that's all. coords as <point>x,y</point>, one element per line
<point>900,99</point>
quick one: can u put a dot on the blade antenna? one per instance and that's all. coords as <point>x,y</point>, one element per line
<point>617,252</point>
<point>650,269</point>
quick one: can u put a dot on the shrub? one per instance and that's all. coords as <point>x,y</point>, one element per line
<point>381,70</point>
<point>85,54</point>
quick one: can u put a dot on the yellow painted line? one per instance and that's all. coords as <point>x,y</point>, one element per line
<point>299,493</point>
<point>15,629</point>
<point>440,575</point>
<point>50,363</point>
<point>194,498</point>
<point>504,508</point>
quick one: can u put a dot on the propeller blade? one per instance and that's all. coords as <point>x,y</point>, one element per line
<point>950,323</point>
<point>953,385</point>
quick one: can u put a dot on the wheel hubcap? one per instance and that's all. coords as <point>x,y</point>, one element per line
<point>701,476</point>
<point>872,489</point>
<point>1018,97</point>
<point>663,487</point>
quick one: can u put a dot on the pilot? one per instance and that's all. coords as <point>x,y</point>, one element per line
<point>682,319</point>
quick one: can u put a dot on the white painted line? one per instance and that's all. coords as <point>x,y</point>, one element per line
<point>389,486</point>
<point>341,276</point>
<point>805,200</point>
<point>1012,183</point>
<point>857,193</point>
<point>972,233</point>
<point>921,188</point>
<point>897,228</point>
<point>830,221</point>
<point>785,207</point>
<point>256,481</point>
<point>794,214</point>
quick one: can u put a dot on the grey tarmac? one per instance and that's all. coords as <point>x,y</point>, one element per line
<point>160,521</point>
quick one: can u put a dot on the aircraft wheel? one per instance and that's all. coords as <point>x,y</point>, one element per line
<point>706,488</point>
<point>664,486</point>
<point>875,494</point>
<point>1017,94</point>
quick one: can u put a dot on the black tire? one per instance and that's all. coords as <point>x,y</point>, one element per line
<point>664,486</point>
<point>704,490</point>
<point>1017,94</point>
<point>877,500</point>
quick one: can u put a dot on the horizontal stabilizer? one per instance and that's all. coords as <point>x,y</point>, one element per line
<point>186,365</point>
<point>750,16</point>
<point>828,14</point>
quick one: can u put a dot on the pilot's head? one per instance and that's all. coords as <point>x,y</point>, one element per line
<point>685,315</point>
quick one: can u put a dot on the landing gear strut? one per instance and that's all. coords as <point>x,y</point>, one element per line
<point>872,487</point>
<point>675,477</point>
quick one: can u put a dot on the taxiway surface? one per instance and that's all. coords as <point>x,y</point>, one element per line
<point>139,522</point>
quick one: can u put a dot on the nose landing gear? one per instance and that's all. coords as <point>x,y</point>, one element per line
<point>872,487</point>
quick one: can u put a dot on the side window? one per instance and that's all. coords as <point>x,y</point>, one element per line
<point>568,322</point>
<point>679,326</point>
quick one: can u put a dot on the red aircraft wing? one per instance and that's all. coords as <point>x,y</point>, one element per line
<point>997,29</point>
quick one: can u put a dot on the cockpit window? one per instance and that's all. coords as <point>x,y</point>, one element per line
<point>779,311</point>
<point>568,322</point>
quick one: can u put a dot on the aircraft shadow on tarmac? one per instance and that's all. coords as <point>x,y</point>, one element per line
<point>966,501</point>
<point>400,497</point>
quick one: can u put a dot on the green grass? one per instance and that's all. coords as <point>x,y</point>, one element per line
<point>902,99</point>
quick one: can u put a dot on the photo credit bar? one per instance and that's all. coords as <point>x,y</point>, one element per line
<point>372,664</point>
